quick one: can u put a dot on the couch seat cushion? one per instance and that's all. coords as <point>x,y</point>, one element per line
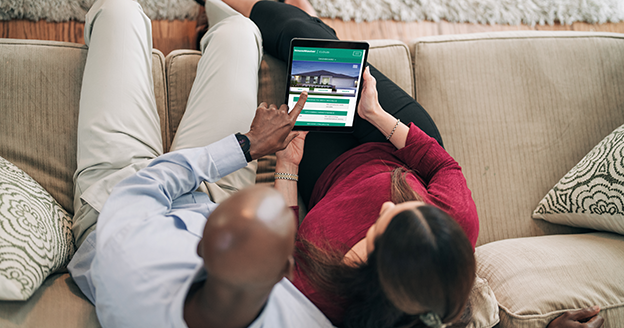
<point>536,279</point>
<point>58,303</point>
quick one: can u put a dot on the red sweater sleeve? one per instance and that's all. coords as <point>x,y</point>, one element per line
<point>443,178</point>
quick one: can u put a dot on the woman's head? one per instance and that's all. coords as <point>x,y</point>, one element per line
<point>424,260</point>
<point>419,261</point>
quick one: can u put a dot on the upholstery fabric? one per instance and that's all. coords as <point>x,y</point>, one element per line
<point>536,279</point>
<point>58,303</point>
<point>35,234</point>
<point>591,195</point>
<point>39,109</point>
<point>517,110</point>
<point>392,58</point>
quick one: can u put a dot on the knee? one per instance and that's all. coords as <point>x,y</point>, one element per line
<point>117,11</point>
<point>310,27</point>
<point>234,32</point>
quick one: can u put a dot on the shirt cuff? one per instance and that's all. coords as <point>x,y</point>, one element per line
<point>227,155</point>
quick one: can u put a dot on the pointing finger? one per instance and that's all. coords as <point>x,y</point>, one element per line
<point>298,106</point>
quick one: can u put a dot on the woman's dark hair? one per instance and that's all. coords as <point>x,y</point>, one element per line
<point>423,261</point>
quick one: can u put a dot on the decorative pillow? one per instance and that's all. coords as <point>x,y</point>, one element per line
<point>591,195</point>
<point>35,234</point>
<point>536,279</point>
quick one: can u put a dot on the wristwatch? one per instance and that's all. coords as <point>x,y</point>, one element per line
<point>244,143</point>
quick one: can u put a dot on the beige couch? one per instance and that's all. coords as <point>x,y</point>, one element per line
<point>517,110</point>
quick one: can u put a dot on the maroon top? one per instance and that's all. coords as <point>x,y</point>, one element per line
<point>348,196</point>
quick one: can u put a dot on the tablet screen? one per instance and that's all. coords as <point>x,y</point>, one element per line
<point>332,78</point>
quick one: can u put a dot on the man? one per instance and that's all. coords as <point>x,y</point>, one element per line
<point>143,264</point>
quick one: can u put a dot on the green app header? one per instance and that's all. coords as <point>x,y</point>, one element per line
<point>328,55</point>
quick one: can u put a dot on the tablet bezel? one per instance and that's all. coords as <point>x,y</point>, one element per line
<point>320,43</point>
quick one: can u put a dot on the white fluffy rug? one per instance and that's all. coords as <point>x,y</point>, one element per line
<point>511,12</point>
<point>64,10</point>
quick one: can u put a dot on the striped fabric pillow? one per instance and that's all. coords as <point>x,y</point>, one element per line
<point>35,234</point>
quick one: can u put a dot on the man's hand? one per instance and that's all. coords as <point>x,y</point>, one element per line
<point>583,318</point>
<point>270,128</point>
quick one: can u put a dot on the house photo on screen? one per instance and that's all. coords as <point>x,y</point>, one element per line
<point>325,78</point>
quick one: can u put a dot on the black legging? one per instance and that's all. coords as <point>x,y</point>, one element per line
<point>279,23</point>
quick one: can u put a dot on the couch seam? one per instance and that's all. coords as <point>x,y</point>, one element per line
<point>544,316</point>
<point>58,45</point>
<point>524,37</point>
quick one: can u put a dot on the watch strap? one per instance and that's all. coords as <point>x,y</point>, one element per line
<point>245,145</point>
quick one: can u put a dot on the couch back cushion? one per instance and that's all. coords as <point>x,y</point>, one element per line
<point>517,110</point>
<point>39,96</point>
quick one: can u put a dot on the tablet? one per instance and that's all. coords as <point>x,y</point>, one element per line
<point>331,72</point>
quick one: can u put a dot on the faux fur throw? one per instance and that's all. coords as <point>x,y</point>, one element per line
<point>511,12</point>
<point>64,10</point>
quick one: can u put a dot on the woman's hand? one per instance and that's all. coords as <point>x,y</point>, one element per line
<point>583,318</point>
<point>370,110</point>
<point>292,154</point>
<point>288,162</point>
<point>369,107</point>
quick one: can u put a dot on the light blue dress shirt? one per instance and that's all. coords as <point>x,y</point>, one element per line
<point>138,265</point>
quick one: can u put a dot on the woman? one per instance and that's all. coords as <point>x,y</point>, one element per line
<point>378,247</point>
<point>364,269</point>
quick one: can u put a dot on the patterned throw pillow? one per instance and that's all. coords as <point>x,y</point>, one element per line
<point>591,195</point>
<point>35,234</point>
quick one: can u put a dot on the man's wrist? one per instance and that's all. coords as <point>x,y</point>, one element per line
<point>245,144</point>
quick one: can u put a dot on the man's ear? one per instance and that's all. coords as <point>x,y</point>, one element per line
<point>290,268</point>
<point>200,248</point>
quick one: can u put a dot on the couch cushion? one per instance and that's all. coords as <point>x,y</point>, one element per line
<point>35,234</point>
<point>39,109</point>
<point>392,58</point>
<point>591,195</point>
<point>517,110</point>
<point>536,279</point>
<point>58,303</point>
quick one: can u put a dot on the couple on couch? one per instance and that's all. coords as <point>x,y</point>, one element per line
<point>388,240</point>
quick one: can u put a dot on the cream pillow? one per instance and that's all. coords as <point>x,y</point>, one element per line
<point>35,234</point>
<point>536,279</point>
<point>591,195</point>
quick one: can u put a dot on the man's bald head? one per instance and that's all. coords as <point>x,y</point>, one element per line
<point>249,239</point>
